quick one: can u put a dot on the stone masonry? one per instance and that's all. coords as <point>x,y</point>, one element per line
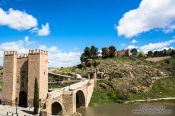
<point>19,76</point>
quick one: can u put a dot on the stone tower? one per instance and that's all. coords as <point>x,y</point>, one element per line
<point>19,76</point>
<point>38,68</point>
<point>10,79</point>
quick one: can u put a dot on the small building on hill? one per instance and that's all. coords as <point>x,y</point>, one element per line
<point>123,52</point>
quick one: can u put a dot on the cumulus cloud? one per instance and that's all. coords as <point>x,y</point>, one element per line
<point>60,58</point>
<point>57,58</point>
<point>157,46</point>
<point>150,14</point>
<point>27,40</point>
<point>20,20</point>
<point>131,46</point>
<point>134,41</point>
<point>44,31</point>
<point>16,19</point>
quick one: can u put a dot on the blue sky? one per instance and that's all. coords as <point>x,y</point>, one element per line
<point>66,27</point>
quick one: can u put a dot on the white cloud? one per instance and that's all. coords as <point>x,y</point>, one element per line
<point>16,19</point>
<point>156,46</point>
<point>57,58</point>
<point>27,41</point>
<point>131,46</point>
<point>149,15</point>
<point>20,20</point>
<point>44,31</point>
<point>134,41</point>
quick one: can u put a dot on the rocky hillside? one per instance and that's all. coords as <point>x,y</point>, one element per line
<point>129,74</point>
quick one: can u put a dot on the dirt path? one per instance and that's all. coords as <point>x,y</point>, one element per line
<point>149,100</point>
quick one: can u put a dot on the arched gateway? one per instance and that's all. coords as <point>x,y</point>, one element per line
<point>23,99</point>
<point>56,108</point>
<point>80,99</point>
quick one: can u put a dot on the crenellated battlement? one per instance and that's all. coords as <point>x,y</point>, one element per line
<point>22,56</point>
<point>6,53</point>
<point>37,51</point>
<point>31,52</point>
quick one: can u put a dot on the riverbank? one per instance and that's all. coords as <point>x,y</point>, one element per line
<point>162,89</point>
<point>152,100</point>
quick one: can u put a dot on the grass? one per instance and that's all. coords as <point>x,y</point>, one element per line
<point>161,88</point>
<point>103,97</point>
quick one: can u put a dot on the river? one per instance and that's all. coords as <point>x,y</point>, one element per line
<point>137,109</point>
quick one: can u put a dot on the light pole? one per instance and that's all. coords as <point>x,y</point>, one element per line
<point>16,100</point>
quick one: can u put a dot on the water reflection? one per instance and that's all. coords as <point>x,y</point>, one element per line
<point>139,109</point>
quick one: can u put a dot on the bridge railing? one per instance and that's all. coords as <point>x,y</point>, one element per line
<point>74,86</point>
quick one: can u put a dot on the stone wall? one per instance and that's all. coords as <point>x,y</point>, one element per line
<point>22,75</point>
<point>9,78</point>
<point>67,97</point>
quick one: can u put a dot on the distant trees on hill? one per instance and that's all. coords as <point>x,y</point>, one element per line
<point>89,53</point>
<point>134,51</point>
<point>108,52</point>
<point>92,53</point>
<point>168,52</point>
<point>111,51</point>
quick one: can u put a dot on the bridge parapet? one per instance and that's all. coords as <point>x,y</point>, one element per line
<point>61,91</point>
<point>67,97</point>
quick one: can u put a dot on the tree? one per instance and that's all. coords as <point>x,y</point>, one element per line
<point>83,57</point>
<point>173,52</point>
<point>36,98</point>
<point>134,51</point>
<point>165,52</point>
<point>105,52</point>
<point>150,53</point>
<point>87,52</point>
<point>156,53</point>
<point>112,51</point>
<point>94,52</point>
<point>169,52</point>
<point>141,54</point>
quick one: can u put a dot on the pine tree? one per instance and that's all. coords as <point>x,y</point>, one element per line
<point>36,98</point>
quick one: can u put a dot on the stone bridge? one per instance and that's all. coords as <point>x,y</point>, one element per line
<point>65,101</point>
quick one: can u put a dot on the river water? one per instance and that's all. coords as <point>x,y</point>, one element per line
<point>137,109</point>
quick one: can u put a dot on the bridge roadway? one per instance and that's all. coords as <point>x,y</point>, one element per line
<point>63,90</point>
<point>66,100</point>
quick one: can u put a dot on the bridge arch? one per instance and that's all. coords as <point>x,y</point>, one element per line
<point>57,108</point>
<point>80,99</point>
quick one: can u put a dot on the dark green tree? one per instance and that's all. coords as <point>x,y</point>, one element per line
<point>150,53</point>
<point>36,97</point>
<point>173,52</point>
<point>87,52</point>
<point>94,52</point>
<point>169,52</point>
<point>112,51</point>
<point>134,51</point>
<point>156,54</point>
<point>83,57</point>
<point>165,52</point>
<point>105,52</point>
